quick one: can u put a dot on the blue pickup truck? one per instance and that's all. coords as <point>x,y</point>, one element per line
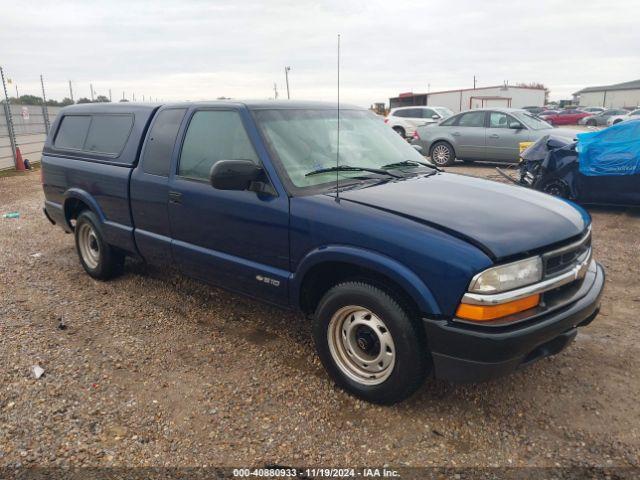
<point>406,271</point>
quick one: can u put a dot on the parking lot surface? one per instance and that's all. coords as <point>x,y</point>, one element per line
<point>154,369</point>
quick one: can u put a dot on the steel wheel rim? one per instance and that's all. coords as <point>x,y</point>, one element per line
<point>441,154</point>
<point>89,245</point>
<point>361,345</point>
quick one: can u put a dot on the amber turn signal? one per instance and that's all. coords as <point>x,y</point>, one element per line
<point>484,313</point>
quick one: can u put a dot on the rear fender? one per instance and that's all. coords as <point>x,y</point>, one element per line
<point>116,234</point>
<point>87,199</point>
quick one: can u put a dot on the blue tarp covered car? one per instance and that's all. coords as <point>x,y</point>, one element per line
<point>602,167</point>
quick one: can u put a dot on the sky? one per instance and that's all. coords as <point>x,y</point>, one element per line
<point>196,50</point>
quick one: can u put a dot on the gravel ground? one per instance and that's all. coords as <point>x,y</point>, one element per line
<point>154,369</point>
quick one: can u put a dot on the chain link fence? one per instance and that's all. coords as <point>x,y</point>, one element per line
<point>30,124</point>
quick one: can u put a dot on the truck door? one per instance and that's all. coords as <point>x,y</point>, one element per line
<point>150,187</point>
<point>236,239</point>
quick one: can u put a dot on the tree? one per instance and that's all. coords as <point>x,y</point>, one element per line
<point>123,100</point>
<point>29,100</point>
<point>66,101</point>
<point>102,99</point>
<point>84,100</point>
<point>537,85</point>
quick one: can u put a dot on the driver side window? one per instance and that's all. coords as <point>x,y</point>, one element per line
<point>213,135</point>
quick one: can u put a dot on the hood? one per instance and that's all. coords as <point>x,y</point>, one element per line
<point>500,219</point>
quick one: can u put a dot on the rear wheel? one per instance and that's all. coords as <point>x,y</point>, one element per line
<point>369,343</point>
<point>400,131</point>
<point>98,258</point>
<point>591,123</point>
<point>442,154</point>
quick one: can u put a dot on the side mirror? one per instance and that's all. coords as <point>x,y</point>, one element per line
<point>234,174</point>
<point>436,117</point>
<point>516,126</point>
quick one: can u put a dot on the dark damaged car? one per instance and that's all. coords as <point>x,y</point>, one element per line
<point>601,168</point>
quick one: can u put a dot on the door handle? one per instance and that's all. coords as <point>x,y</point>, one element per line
<point>494,135</point>
<point>175,197</point>
<point>455,134</point>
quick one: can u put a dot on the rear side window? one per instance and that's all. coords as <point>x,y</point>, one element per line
<point>450,121</point>
<point>72,132</point>
<point>214,135</point>
<point>101,134</point>
<point>157,154</point>
<point>400,113</point>
<point>108,134</point>
<point>472,119</point>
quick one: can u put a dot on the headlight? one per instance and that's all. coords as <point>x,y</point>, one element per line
<point>508,277</point>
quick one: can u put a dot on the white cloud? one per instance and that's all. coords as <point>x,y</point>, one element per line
<point>204,49</point>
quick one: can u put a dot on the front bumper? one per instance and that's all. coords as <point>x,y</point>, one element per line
<point>471,353</point>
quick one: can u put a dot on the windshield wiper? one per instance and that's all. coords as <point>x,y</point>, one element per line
<point>349,168</point>
<point>411,163</point>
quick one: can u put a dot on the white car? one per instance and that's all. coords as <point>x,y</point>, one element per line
<point>594,110</point>
<point>404,120</point>
<point>632,115</point>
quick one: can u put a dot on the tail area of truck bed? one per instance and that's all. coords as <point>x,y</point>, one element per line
<point>87,162</point>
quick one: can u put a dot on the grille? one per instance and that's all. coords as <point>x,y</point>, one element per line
<point>565,258</point>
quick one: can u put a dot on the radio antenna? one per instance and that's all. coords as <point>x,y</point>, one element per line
<point>338,133</point>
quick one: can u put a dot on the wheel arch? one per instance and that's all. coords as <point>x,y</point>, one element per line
<point>325,267</point>
<point>77,200</point>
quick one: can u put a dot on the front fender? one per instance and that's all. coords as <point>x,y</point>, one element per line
<point>371,260</point>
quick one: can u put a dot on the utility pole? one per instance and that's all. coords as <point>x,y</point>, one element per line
<point>133,99</point>
<point>70,91</point>
<point>110,99</point>
<point>123,95</point>
<point>286,76</point>
<point>474,82</point>
<point>17,94</point>
<point>275,91</point>
<point>7,112</point>
<point>45,110</point>
<point>91,87</point>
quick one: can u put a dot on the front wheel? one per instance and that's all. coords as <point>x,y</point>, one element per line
<point>98,258</point>
<point>442,154</point>
<point>557,188</point>
<point>369,343</point>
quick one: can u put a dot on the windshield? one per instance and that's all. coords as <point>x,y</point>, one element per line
<point>531,121</point>
<point>305,141</point>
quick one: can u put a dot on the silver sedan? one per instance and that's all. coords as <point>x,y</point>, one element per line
<point>484,134</point>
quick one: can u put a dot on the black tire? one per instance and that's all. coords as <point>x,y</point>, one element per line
<point>98,258</point>
<point>591,123</point>
<point>557,188</point>
<point>444,159</point>
<point>410,359</point>
<point>616,121</point>
<point>400,131</point>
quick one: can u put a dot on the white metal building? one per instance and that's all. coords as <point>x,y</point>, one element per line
<point>619,95</point>
<point>470,98</point>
